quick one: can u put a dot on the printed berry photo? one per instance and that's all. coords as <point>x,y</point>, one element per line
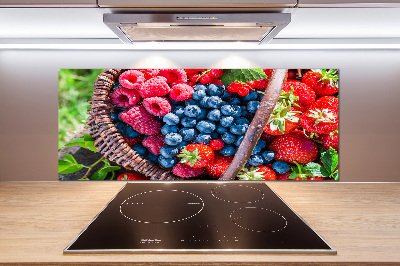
<point>189,124</point>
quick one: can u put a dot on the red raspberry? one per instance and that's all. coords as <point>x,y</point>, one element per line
<point>194,77</point>
<point>174,76</point>
<point>234,86</point>
<point>183,170</point>
<point>131,79</point>
<point>216,73</point>
<point>141,120</point>
<point>154,143</point>
<point>123,97</point>
<point>216,144</point>
<point>158,106</point>
<point>133,141</point>
<point>157,86</point>
<point>181,92</point>
<point>149,73</point>
<point>191,83</point>
<point>206,78</point>
<point>244,90</point>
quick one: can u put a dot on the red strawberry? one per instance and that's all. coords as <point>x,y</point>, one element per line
<point>323,82</point>
<point>197,155</point>
<point>216,144</point>
<point>218,167</point>
<point>294,147</point>
<point>320,120</point>
<point>329,140</point>
<point>282,121</point>
<point>327,102</point>
<point>302,95</point>
<point>132,176</point>
<point>261,172</point>
<point>315,178</point>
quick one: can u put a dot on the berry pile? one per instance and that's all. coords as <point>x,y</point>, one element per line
<point>189,122</point>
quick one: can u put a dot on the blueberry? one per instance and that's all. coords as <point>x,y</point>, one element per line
<point>169,151</point>
<point>268,156</point>
<point>252,106</point>
<point>188,134</point>
<point>114,116</point>
<point>261,143</point>
<point>214,102</point>
<point>227,109</point>
<point>241,121</point>
<point>225,96</point>
<point>167,162</point>
<point>188,122</point>
<point>221,130</point>
<point>256,150</point>
<point>140,149</point>
<point>215,90</point>
<point>173,139</point>
<point>234,101</point>
<point>130,132</point>
<point>280,167</point>
<point>203,102</point>
<point>251,96</point>
<point>181,145</point>
<point>171,119</point>
<point>152,158</point>
<point>214,115</point>
<point>245,113</point>
<point>226,121</point>
<point>120,127</point>
<point>206,126</point>
<point>192,110</point>
<point>202,115</point>
<point>238,111</point>
<point>198,95</point>
<point>239,140</point>
<point>203,138</point>
<point>228,138</point>
<point>227,150</point>
<point>166,129</point>
<point>179,111</point>
<point>119,117</point>
<point>214,135</point>
<point>191,102</point>
<point>238,129</point>
<point>256,160</point>
<point>200,87</point>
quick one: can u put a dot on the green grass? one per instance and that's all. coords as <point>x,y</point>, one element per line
<point>75,89</point>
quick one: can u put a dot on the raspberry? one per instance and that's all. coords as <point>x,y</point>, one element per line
<point>174,76</point>
<point>181,92</point>
<point>216,144</point>
<point>154,143</point>
<point>123,97</point>
<point>141,120</point>
<point>149,73</point>
<point>216,73</point>
<point>205,78</point>
<point>154,87</point>
<point>133,141</point>
<point>183,170</point>
<point>194,77</point>
<point>158,106</point>
<point>131,79</point>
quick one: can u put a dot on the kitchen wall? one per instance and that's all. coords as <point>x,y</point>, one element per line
<point>369,101</point>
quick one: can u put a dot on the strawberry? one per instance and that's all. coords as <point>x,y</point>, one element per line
<point>304,96</point>
<point>261,172</point>
<point>322,81</point>
<point>282,121</point>
<point>294,147</point>
<point>327,102</point>
<point>320,120</point>
<point>197,155</point>
<point>329,140</point>
<point>315,178</point>
<point>218,167</point>
<point>132,176</point>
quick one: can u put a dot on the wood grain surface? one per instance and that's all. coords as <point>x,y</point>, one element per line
<point>360,220</point>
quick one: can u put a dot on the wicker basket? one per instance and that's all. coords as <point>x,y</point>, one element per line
<point>108,140</point>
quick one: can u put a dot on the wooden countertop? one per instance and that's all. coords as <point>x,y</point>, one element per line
<point>360,220</point>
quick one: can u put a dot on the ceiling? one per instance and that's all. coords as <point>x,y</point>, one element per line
<point>85,25</point>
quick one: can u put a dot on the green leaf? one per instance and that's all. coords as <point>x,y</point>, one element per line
<point>293,175</point>
<point>101,174</point>
<point>68,166</point>
<point>242,75</point>
<point>86,141</point>
<point>324,172</point>
<point>314,169</point>
<point>70,158</point>
<point>330,160</point>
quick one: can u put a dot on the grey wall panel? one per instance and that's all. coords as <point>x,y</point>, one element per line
<point>369,99</point>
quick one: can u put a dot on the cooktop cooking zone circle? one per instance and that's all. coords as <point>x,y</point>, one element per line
<point>161,206</point>
<point>237,194</point>
<point>258,219</point>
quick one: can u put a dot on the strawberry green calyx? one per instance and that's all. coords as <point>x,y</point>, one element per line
<point>280,114</point>
<point>322,115</point>
<point>250,174</point>
<point>190,156</point>
<point>329,77</point>
<point>299,171</point>
<point>288,98</point>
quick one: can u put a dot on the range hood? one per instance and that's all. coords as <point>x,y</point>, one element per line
<point>191,27</point>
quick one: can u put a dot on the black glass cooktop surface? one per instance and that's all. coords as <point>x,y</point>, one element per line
<point>198,217</point>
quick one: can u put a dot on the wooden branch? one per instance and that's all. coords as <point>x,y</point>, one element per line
<point>258,124</point>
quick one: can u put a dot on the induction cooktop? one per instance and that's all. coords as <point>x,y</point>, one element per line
<point>198,217</point>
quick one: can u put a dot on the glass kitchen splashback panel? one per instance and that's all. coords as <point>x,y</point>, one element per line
<point>188,124</point>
